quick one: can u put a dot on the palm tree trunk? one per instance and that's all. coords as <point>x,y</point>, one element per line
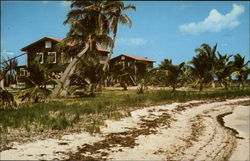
<point>201,86</point>
<point>241,84</point>
<point>65,79</point>
<point>213,83</point>
<point>226,85</point>
<point>106,65</point>
<point>2,84</point>
<point>173,87</point>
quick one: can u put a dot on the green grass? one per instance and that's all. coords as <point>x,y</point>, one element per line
<point>91,112</point>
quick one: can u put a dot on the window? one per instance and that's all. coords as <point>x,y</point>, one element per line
<point>39,57</point>
<point>123,58</point>
<point>22,72</point>
<point>48,44</point>
<point>51,57</point>
<point>103,59</point>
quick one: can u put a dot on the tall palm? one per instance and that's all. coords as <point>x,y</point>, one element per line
<point>173,72</point>
<point>199,70</point>
<point>210,54</point>
<point>241,70</point>
<point>88,28</point>
<point>224,69</point>
<point>115,11</point>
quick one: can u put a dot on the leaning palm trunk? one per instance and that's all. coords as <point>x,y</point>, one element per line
<point>2,84</point>
<point>62,87</point>
<point>106,65</point>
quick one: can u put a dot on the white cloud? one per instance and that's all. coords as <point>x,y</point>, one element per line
<point>215,22</point>
<point>132,41</point>
<point>65,4</point>
<point>6,53</point>
<point>224,44</point>
<point>184,6</point>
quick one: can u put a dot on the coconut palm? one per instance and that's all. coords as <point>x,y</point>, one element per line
<point>6,99</point>
<point>241,70</point>
<point>88,28</point>
<point>199,70</point>
<point>88,74</point>
<point>173,72</point>
<point>122,73</point>
<point>8,66</point>
<point>36,84</point>
<point>115,11</point>
<point>224,69</point>
<point>210,55</point>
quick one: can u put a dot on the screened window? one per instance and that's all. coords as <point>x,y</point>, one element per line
<point>48,44</point>
<point>39,57</point>
<point>22,72</point>
<point>51,57</point>
<point>103,59</point>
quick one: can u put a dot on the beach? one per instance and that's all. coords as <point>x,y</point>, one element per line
<point>239,120</point>
<point>177,131</point>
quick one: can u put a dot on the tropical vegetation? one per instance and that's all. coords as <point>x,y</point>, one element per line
<point>90,25</point>
<point>36,84</point>
<point>93,24</point>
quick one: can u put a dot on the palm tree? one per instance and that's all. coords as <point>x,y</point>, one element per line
<point>36,84</point>
<point>224,69</point>
<point>6,99</point>
<point>122,74</point>
<point>115,11</point>
<point>88,28</point>
<point>241,71</point>
<point>88,73</point>
<point>173,72</point>
<point>8,66</point>
<point>199,70</point>
<point>210,54</point>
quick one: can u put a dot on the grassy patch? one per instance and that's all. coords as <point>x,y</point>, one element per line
<point>58,115</point>
<point>90,113</point>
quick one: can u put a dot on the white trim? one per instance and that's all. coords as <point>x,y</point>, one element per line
<point>22,72</point>
<point>40,53</point>
<point>50,53</point>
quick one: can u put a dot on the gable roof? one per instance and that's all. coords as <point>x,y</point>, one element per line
<point>59,40</point>
<point>135,57</point>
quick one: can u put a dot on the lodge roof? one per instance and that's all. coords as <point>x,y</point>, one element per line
<point>59,40</point>
<point>135,57</point>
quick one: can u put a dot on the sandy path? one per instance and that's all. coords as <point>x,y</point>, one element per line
<point>179,131</point>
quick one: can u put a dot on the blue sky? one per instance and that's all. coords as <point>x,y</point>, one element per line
<point>160,30</point>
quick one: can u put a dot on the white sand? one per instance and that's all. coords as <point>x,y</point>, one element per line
<point>213,143</point>
<point>239,120</point>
